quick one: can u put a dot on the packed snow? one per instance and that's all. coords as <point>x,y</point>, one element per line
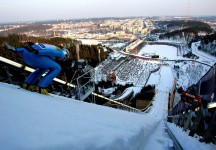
<point>189,73</point>
<point>163,51</point>
<point>188,142</point>
<point>34,121</point>
<point>203,57</point>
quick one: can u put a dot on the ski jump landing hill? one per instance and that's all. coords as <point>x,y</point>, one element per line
<point>34,121</point>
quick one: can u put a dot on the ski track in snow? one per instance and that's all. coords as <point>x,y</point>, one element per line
<point>159,111</point>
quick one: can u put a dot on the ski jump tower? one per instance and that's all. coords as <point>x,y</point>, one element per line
<point>85,79</point>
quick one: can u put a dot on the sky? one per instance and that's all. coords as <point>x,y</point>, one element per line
<point>36,10</point>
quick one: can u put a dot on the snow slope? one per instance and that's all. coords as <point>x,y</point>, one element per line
<point>188,142</point>
<point>169,52</point>
<point>203,57</point>
<point>34,121</point>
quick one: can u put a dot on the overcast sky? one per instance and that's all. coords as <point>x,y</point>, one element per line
<point>34,10</point>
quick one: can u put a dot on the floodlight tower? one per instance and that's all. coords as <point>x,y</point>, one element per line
<point>99,53</point>
<point>83,79</point>
<point>77,43</point>
<point>187,16</point>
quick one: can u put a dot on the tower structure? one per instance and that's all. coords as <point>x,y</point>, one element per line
<point>187,15</point>
<point>82,78</point>
<point>77,50</point>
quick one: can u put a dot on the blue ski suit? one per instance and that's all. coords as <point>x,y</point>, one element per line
<point>43,61</point>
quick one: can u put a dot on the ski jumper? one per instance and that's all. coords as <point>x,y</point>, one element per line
<point>43,61</point>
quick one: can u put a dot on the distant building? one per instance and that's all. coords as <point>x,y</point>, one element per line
<point>68,36</point>
<point>134,30</point>
<point>144,31</point>
<point>89,41</point>
<point>132,48</point>
<point>109,35</point>
<point>120,33</point>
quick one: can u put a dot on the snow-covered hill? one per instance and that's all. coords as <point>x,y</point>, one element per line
<point>33,121</point>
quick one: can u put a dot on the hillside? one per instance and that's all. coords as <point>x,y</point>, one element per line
<point>34,121</point>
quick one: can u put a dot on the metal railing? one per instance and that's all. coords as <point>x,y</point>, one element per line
<point>26,68</point>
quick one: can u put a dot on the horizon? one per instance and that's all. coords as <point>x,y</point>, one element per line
<point>52,20</point>
<point>33,11</point>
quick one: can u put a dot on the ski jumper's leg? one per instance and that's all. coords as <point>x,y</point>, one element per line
<point>32,78</point>
<point>54,70</point>
<point>43,63</point>
<point>32,60</point>
<point>53,67</point>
